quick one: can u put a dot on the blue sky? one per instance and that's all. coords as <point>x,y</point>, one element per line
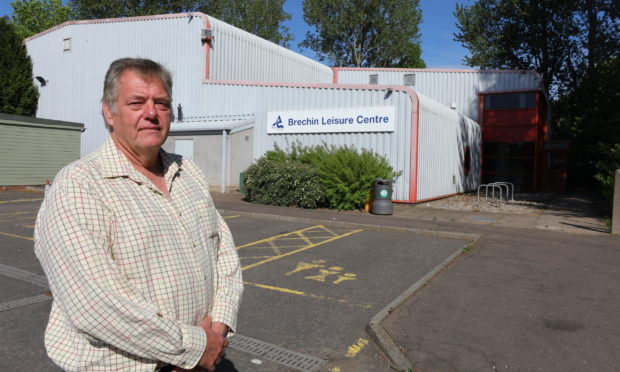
<point>439,50</point>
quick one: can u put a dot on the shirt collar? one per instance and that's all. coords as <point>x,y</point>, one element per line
<point>115,164</point>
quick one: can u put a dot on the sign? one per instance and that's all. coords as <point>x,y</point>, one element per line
<point>361,119</point>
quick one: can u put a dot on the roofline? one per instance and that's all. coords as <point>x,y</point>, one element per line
<point>32,120</point>
<point>472,70</point>
<point>120,19</point>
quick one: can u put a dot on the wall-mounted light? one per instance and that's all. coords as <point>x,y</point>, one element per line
<point>42,81</point>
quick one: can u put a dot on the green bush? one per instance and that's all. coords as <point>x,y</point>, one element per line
<point>607,168</point>
<point>346,176</point>
<point>283,183</point>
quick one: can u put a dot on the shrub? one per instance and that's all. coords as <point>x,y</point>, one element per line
<point>283,183</point>
<point>606,168</point>
<point>347,176</point>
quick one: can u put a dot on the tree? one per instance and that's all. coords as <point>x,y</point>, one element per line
<point>519,34</point>
<point>263,18</point>
<point>18,95</point>
<point>365,33</point>
<point>575,45</point>
<point>33,16</point>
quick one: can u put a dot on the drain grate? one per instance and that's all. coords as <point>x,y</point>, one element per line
<point>24,301</point>
<point>24,275</point>
<point>288,358</point>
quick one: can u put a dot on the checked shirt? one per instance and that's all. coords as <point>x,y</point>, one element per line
<point>132,270</point>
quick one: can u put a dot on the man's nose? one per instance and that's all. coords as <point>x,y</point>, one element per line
<point>149,110</point>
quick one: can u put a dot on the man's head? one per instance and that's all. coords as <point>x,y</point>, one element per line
<point>136,104</point>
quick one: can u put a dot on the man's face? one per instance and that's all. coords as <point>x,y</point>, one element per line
<point>142,118</point>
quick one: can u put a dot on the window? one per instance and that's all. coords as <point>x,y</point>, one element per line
<point>373,79</point>
<point>523,100</point>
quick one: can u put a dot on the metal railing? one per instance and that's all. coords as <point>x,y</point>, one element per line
<point>510,191</point>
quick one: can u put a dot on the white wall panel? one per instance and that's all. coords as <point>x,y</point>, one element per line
<point>240,55</point>
<point>395,146</point>
<point>448,86</point>
<point>443,137</point>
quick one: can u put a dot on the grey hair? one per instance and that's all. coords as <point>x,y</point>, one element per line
<point>146,68</point>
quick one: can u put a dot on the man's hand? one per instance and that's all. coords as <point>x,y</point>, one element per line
<point>216,343</point>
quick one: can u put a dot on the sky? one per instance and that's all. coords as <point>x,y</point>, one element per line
<point>439,50</point>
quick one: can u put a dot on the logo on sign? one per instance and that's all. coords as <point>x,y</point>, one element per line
<point>383,193</point>
<point>278,123</point>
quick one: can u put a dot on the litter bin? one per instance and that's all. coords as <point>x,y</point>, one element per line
<point>382,197</point>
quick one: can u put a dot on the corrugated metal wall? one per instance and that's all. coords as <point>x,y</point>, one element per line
<point>448,86</point>
<point>239,55</point>
<point>262,99</point>
<point>443,138</point>
<point>32,151</point>
<point>75,77</point>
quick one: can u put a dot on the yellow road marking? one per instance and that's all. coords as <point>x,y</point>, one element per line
<point>229,217</point>
<point>28,226</point>
<point>16,236</point>
<point>14,213</point>
<point>18,200</point>
<point>277,237</point>
<point>300,293</point>
<point>300,249</point>
<point>335,369</point>
<point>19,219</point>
<point>354,349</point>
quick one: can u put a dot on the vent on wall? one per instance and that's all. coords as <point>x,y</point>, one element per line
<point>373,79</point>
<point>66,44</point>
<point>409,79</point>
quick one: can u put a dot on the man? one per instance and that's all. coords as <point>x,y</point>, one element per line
<point>143,269</point>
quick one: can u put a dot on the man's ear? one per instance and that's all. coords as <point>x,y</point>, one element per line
<point>107,114</point>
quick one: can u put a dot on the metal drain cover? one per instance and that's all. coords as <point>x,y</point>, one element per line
<point>24,275</point>
<point>276,354</point>
<point>24,301</point>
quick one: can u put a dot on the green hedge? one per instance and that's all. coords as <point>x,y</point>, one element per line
<point>283,183</point>
<point>344,175</point>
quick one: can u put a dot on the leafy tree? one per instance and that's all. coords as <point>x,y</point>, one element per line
<point>365,33</point>
<point>33,16</point>
<point>263,18</point>
<point>575,45</point>
<point>18,95</point>
<point>519,34</point>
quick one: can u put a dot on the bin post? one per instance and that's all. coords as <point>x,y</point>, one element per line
<point>242,188</point>
<point>382,197</point>
<point>615,217</point>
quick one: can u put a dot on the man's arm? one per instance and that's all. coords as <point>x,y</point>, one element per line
<point>229,284</point>
<point>72,244</point>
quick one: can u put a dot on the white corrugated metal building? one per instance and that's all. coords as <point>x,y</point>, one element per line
<point>457,89</point>
<point>230,84</point>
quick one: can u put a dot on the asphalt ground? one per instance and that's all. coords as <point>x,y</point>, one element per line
<point>311,288</point>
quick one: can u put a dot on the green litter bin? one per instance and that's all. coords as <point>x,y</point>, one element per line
<point>382,197</point>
